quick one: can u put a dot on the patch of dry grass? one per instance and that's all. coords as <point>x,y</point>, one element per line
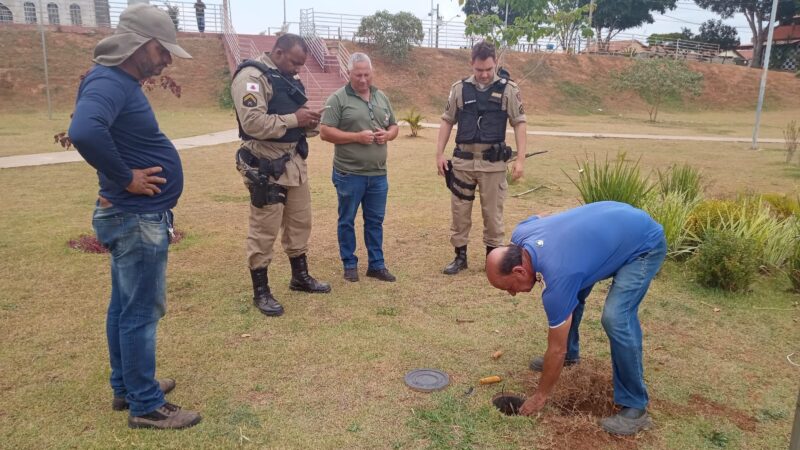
<point>329,373</point>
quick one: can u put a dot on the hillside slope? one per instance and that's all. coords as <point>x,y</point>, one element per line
<point>551,83</point>
<point>566,84</point>
<point>69,54</point>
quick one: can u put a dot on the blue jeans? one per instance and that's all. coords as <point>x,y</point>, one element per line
<point>621,322</point>
<point>138,245</point>
<point>369,192</point>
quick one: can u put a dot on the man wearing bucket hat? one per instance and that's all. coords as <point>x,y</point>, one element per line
<point>570,252</point>
<point>141,179</point>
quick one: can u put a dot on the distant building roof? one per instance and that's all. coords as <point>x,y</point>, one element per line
<point>786,33</point>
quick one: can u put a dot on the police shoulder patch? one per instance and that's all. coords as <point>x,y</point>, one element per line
<point>250,100</point>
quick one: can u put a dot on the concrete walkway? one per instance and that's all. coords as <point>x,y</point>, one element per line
<point>230,136</point>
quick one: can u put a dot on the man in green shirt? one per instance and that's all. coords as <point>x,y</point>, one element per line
<point>359,121</point>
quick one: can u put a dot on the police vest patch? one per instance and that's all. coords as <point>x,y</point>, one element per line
<point>250,101</point>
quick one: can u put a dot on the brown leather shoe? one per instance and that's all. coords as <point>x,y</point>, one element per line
<point>120,404</point>
<point>167,417</point>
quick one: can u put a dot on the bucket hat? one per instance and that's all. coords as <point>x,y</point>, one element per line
<point>138,24</point>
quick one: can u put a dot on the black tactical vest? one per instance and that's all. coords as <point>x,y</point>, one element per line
<point>482,119</point>
<point>287,97</point>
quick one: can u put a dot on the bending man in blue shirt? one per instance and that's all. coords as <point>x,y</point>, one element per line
<point>141,179</point>
<point>570,252</point>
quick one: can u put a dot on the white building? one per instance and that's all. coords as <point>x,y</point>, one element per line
<point>87,13</point>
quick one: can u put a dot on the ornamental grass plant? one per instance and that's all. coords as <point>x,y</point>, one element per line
<point>618,180</point>
<point>672,211</point>
<point>682,179</point>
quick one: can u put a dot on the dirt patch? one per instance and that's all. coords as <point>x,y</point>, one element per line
<point>584,395</point>
<point>702,406</point>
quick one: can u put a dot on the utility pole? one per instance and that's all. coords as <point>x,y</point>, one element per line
<point>44,54</point>
<point>591,12</point>
<point>438,20</point>
<point>764,74</point>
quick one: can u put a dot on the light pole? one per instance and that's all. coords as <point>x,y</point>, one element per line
<point>44,54</point>
<point>764,74</point>
<point>440,23</point>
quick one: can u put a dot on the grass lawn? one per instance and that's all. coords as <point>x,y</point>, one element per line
<point>329,373</point>
<point>32,132</point>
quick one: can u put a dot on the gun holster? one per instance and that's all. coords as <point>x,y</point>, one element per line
<point>302,147</point>
<point>451,181</point>
<point>258,171</point>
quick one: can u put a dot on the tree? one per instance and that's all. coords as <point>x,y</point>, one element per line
<point>489,7</point>
<point>614,16</point>
<point>757,12</point>
<point>657,80</point>
<point>670,38</point>
<point>716,32</point>
<point>566,20</point>
<point>394,34</point>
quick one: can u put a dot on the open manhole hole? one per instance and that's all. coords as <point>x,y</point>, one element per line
<point>508,403</point>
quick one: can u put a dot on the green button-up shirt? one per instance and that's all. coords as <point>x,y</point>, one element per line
<point>349,112</point>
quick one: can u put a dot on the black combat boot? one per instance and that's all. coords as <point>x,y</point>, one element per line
<point>459,263</point>
<point>489,249</point>
<point>262,297</point>
<point>302,281</point>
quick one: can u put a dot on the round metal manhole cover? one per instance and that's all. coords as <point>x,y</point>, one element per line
<point>427,380</point>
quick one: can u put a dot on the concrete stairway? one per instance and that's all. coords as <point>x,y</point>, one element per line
<point>320,82</point>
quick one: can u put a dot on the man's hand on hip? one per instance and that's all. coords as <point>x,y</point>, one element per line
<point>145,183</point>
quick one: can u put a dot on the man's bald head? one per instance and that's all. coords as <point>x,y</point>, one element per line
<point>508,268</point>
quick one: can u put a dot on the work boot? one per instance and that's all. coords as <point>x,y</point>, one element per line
<point>166,385</point>
<point>262,297</point>
<point>381,274</point>
<point>489,249</point>
<point>459,263</point>
<point>628,421</point>
<point>302,281</point>
<point>167,417</point>
<point>537,364</point>
<point>351,274</point>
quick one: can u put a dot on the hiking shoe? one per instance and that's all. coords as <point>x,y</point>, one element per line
<point>537,364</point>
<point>167,417</point>
<point>120,404</point>
<point>624,425</point>
<point>381,274</point>
<point>351,274</point>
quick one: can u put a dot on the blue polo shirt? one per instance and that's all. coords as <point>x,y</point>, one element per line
<point>114,129</point>
<point>577,248</point>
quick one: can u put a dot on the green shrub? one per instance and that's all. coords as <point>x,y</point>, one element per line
<point>726,261</point>
<point>683,179</point>
<point>793,269</point>
<point>672,211</point>
<point>782,206</point>
<point>414,120</point>
<point>750,218</point>
<point>619,181</point>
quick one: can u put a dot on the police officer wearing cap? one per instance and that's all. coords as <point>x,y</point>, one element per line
<point>274,122</point>
<point>482,105</point>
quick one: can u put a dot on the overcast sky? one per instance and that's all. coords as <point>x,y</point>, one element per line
<point>254,16</point>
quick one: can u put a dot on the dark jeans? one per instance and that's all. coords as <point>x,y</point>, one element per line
<point>370,193</point>
<point>621,323</point>
<point>138,245</point>
<point>201,23</point>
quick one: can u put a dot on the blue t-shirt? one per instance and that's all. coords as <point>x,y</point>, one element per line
<point>577,248</point>
<point>114,129</point>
